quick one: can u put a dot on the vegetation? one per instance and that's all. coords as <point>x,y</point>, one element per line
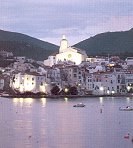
<point>112,43</point>
<point>55,90</point>
<point>23,45</point>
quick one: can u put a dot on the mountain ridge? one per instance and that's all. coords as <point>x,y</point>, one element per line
<point>114,43</point>
<point>24,45</point>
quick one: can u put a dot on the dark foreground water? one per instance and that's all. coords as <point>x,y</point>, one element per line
<point>55,123</point>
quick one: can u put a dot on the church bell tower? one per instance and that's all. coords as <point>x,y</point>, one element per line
<point>63,44</point>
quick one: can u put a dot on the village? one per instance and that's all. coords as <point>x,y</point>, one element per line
<point>69,72</point>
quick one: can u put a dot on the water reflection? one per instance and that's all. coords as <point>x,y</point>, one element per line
<point>101,100</point>
<point>43,100</point>
<point>59,125</point>
<point>22,101</point>
<point>66,99</point>
<point>128,100</point>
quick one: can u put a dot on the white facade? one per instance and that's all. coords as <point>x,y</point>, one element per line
<point>66,54</point>
<point>1,83</point>
<point>50,61</point>
<point>98,60</point>
<point>129,60</point>
<point>29,82</point>
<point>102,83</point>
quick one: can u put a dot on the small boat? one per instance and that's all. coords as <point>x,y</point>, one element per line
<point>127,108</point>
<point>79,105</point>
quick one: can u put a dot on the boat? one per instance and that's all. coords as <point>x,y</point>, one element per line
<point>79,105</point>
<point>127,108</point>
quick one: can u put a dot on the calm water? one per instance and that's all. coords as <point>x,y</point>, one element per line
<point>55,123</point>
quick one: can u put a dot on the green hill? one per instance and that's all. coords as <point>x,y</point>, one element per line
<point>23,45</point>
<point>113,43</point>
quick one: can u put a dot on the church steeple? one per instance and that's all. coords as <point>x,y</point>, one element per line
<point>63,44</point>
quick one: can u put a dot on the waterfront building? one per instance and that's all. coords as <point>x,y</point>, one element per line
<point>89,86</point>
<point>29,82</point>
<point>102,83</point>
<point>129,80</point>
<point>1,82</point>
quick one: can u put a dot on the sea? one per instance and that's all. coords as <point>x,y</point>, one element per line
<point>55,123</point>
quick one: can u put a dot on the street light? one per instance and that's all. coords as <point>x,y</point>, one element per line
<point>113,91</point>
<point>108,92</point>
<point>66,90</point>
<point>101,88</point>
<point>128,88</point>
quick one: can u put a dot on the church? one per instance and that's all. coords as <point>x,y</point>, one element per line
<point>66,54</point>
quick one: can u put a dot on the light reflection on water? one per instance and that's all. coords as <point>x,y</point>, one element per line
<point>44,101</point>
<point>53,123</point>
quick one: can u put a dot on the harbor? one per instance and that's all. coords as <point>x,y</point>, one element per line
<point>47,122</point>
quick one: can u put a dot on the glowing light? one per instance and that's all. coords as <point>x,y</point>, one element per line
<point>113,91</point>
<point>66,90</point>
<point>28,100</point>
<point>128,88</point>
<point>108,92</point>
<point>101,100</point>
<point>128,100</point>
<point>21,100</point>
<point>101,88</point>
<point>15,101</point>
<point>44,101</point>
<point>79,84</point>
<point>66,99</point>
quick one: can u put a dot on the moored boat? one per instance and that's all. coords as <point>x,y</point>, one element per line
<point>79,105</point>
<point>127,108</point>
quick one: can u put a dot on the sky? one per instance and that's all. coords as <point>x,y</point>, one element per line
<point>48,20</point>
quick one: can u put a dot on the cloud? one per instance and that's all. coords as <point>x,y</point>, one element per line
<point>75,18</point>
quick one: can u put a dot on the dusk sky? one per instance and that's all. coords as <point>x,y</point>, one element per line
<point>77,19</point>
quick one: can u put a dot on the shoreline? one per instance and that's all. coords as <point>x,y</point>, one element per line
<point>63,96</point>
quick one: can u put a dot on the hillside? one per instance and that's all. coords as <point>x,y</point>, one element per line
<point>113,43</point>
<point>23,45</point>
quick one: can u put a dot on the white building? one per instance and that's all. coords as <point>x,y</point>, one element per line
<point>66,53</point>
<point>104,83</point>
<point>1,82</point>
<point>30,82</point>
<point>129,60</point>
<point>98,60</point>
<point>129,81</point>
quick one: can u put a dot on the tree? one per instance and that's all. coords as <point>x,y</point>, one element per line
<point>55,90</point>
<point>73,90</point>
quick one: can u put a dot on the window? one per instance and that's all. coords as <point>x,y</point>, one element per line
<point>75,70</point>
<point>32,83</point>
<point>41,83</point>
<point>118,76</point>
<point>117,87</point>
<point>32,79</point>
<point>75,75</point>
<point>118,81</point>
<point>79,77</point>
